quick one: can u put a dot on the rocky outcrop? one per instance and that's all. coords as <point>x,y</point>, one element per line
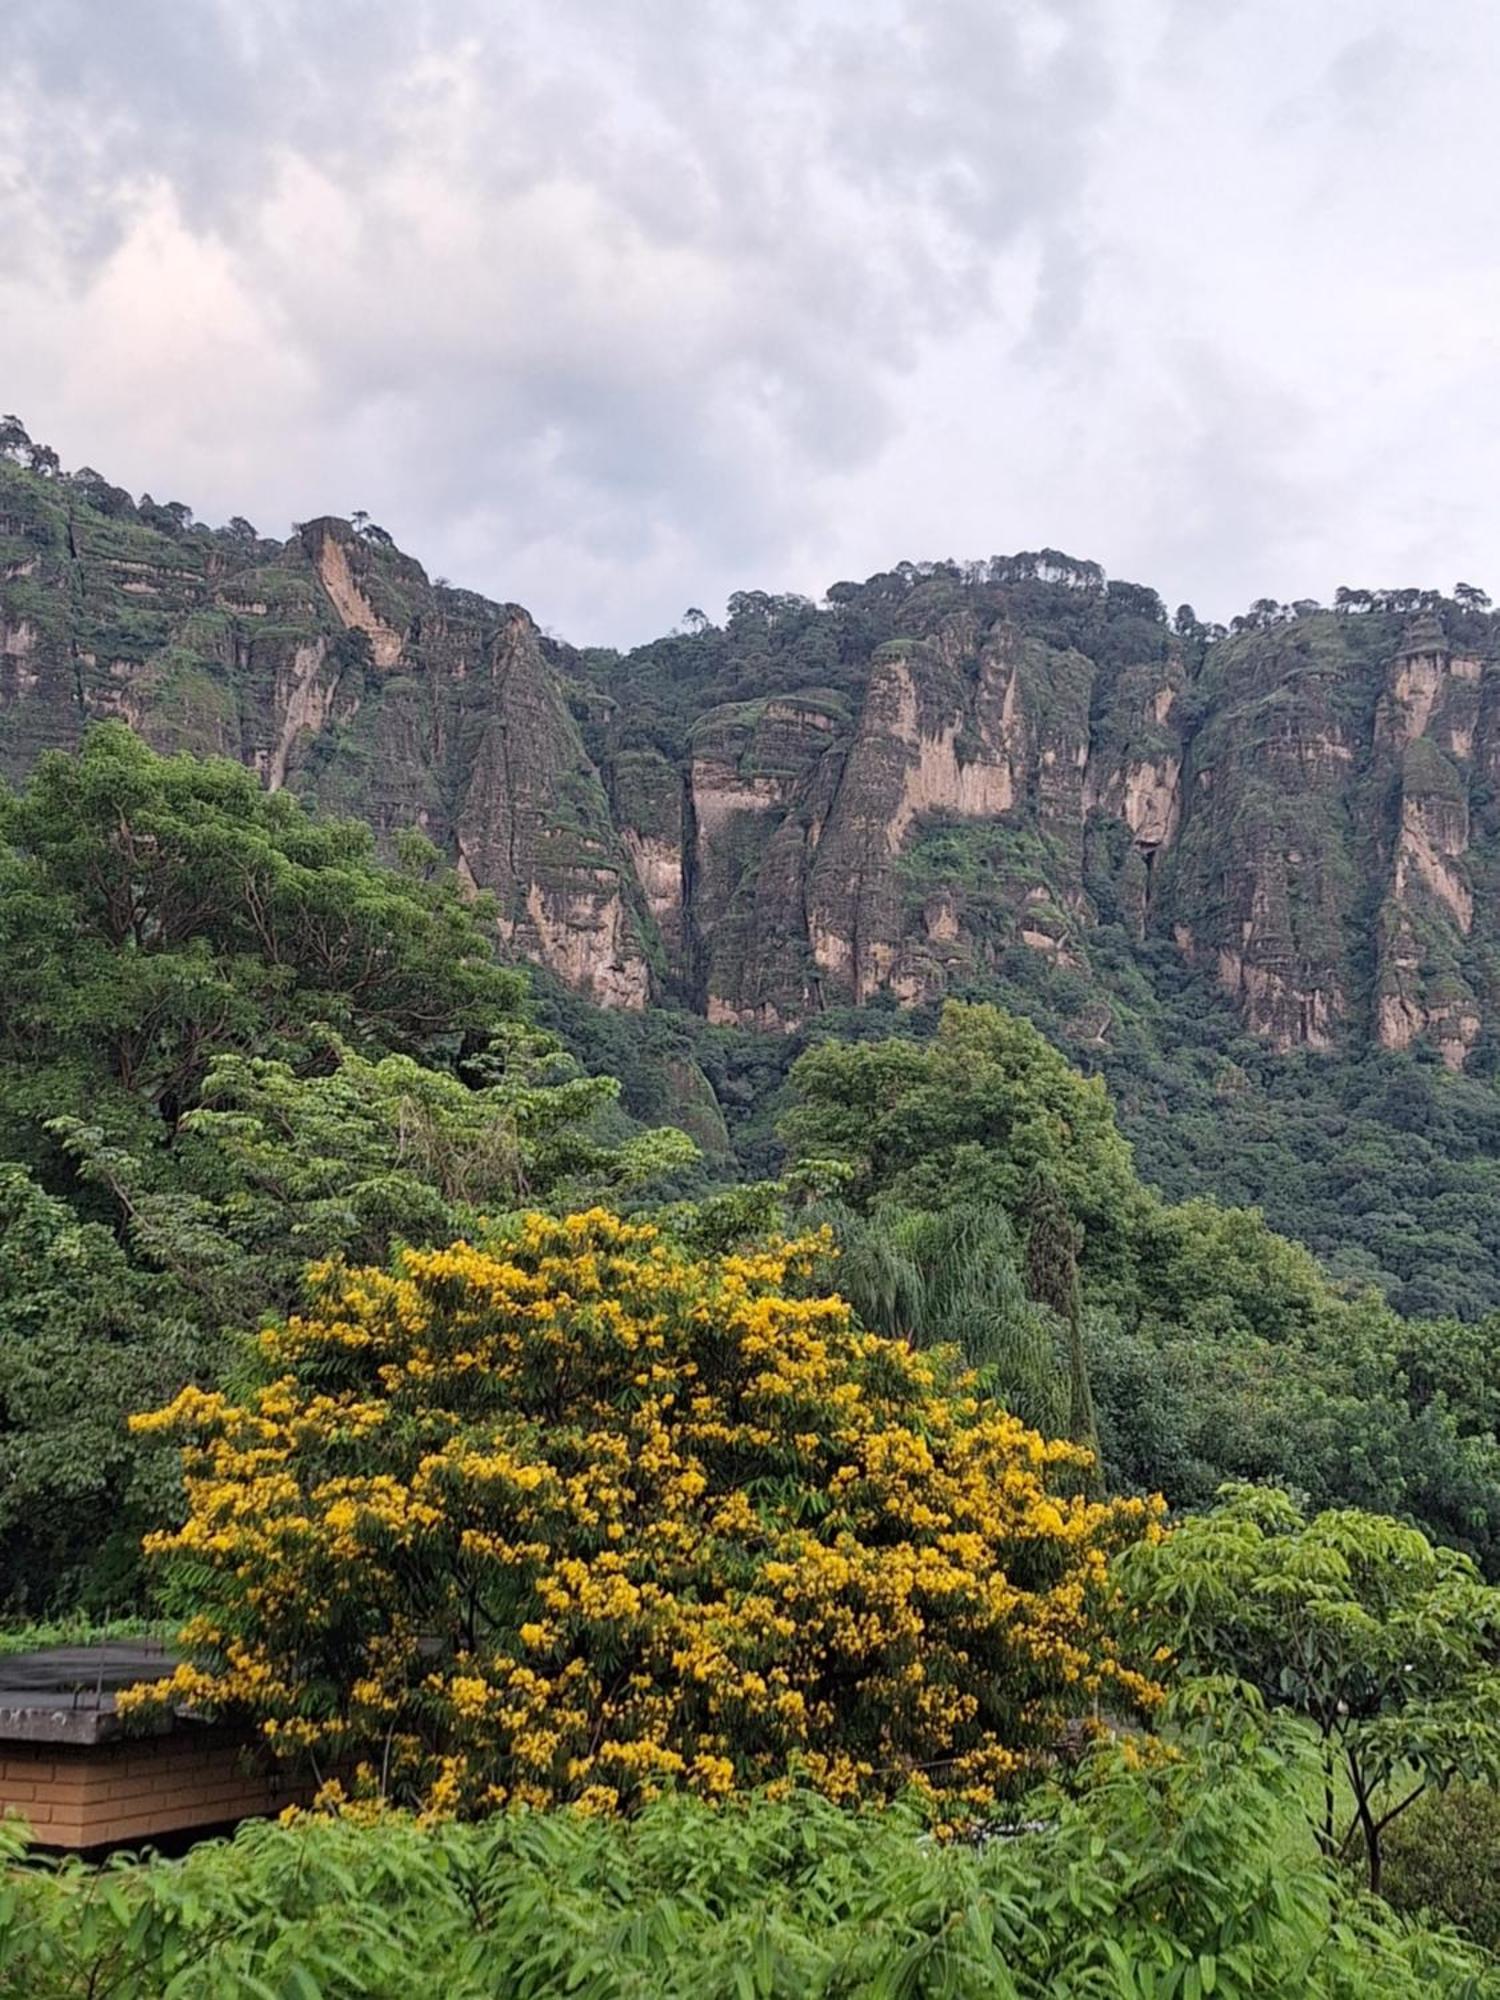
<point>1265,875</point>
<point>330,547</point>
<point>1432,693</point>
<point>533,827</point>
<point>758,776</point>
<point>331,665</point>
<point>302,705</point>
<point>1428,912</point>
<point>924,745</point>
<point>981,779</point>
<point>646,796</point>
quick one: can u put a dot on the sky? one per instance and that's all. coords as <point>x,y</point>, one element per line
<point>612,307</point>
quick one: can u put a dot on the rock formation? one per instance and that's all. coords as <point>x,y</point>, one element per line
<point>941,779</point>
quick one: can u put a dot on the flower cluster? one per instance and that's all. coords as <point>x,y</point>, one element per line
<point>581,1515</point>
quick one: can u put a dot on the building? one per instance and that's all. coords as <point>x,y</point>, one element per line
<point>71,1767</point>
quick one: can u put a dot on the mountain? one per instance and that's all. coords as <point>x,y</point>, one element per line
<point>1253,875</point>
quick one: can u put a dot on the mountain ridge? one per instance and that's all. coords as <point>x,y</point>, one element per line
<point>1249,874</point>
<point>1302,805</point>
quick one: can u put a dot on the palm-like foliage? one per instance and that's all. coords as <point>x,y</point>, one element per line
<point>953,1276</point>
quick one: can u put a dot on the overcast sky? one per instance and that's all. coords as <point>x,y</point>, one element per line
<point>614,306</point>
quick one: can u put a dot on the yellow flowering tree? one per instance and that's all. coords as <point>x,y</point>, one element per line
<point>583,1514</point>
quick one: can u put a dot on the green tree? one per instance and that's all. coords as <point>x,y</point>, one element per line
<point>970,1118</point>
<point>277,1168</point>
<point>158,911</point>
<point>241,1044</point>
<point>1052,1245</point>
<point>1381,1643</point>
<point>85,1339</point>
<point>952,1276</point>
<point>1443,1858</point>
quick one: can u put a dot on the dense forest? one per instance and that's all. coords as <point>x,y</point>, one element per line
<point>715,1495</point>
<point>1245,874</point>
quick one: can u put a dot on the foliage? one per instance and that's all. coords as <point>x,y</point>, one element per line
<point>1210,1348</point>
<point>975,1115</point>
<point>580,1513</point>
<point>1053,1241</point>
<point>361,1154</point>
<point>1383,1643</point>
<point>1182,1878</point>
<point>158,911</point>
<point>950,1277</point>
<point>78,1629</point>
<point>1353,1408</point>
<point>84,1340</point>
<point>1444,1857</point>
<point>233,1043</point>
<point>1383,1164</point>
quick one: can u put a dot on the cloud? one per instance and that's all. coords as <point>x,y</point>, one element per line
<point>612,305</point>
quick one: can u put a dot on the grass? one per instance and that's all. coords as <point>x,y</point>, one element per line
<point>78,1630</point>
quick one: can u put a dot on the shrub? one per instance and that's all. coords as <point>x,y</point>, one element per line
<point>1183,1880</point>
<point>581,1514</point>
<point>1444,1856</point>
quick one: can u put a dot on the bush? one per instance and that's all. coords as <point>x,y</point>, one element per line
<point>1178,1880</point>
<point>1443,1856</point>
<point>1378,1642</point>
<point>581,1514</point>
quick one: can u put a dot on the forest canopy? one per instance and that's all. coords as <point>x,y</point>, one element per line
<point>982,1563</point>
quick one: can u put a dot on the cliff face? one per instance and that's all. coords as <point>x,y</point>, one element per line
<point>332,665</point>
<point>1301,807</point>
<point>942,780</point>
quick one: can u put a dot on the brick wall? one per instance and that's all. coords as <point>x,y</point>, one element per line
<point>134,1789</point>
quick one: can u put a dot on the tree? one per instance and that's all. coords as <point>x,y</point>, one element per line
<point>168,517</point>
<point>84,1340</point>
<point>240,1042</point>
<point>970,1117</point>
<point>952,1276</point>
<point>1382,1643</point>
<point>1444,1856</point>
<point>96,492</point>
<point>577,1514</point>
<point>277,1167</point>
<point>1053,1241</point>
<point>158,911</point>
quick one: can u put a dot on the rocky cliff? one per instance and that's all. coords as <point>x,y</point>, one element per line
<point>331,664</point>
<point>1008,763</point>
<point>943,779</point>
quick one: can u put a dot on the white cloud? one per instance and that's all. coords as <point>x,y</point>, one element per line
<point>612,306</point>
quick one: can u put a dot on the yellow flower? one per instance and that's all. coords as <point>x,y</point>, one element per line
<point>550,1520</point>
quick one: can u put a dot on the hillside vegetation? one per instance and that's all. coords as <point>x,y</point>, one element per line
<point>729,1461</point>
<point>1245,874</point>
